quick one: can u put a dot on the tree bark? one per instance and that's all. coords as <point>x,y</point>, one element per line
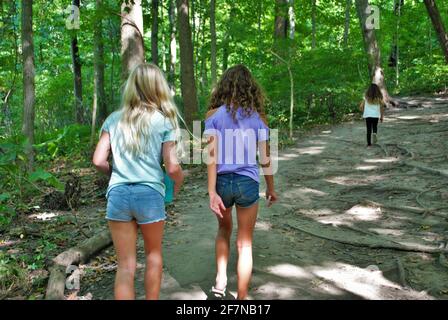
<point>213,40</point>
<point>372,49</point>
<point>292,20</point>
<point>77,78</point>
<point>188,84</point>
<point>132,47</point>
<point>281,27</point>
<point>11,20</point>
<point>437,22</point>
<point>347,22</point>
<point>155,32</point>
<point>172,46</point>
<point>313,24</point>
<point>99,95</point>
<point>29,94</point>
<point>73,256</point>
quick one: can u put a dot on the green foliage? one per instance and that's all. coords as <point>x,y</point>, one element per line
<point>11,273</point>
<point>418,79</point>
<point>66,142</point>
<point>16,182</point>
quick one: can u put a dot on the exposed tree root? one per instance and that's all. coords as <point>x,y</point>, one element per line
<point>401,273</point>
<point>373,242</point>
<point>73,256</point>
<point>421,167</point>
<point>406,208</point>
<point>381,189</point>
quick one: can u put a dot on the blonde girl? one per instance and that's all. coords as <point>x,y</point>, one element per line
<point>139,136</point>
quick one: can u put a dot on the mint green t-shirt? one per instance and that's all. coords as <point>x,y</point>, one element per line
<point>145,168</point>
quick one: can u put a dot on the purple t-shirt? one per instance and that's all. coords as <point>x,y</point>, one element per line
<point>237,141</point>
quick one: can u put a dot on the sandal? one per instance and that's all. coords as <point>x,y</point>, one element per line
<point>218,294</point>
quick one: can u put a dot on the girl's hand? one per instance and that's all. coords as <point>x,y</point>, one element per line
<point>381,119</point>
<point>217,205</point>
<point>272,197</point>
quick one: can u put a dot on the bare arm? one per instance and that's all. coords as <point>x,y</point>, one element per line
<point>266,165</point>
<point>101,155</point>
<point>216,203</point>
<point>382,112</point>
<point>361,105</point>
<point>172,166</point>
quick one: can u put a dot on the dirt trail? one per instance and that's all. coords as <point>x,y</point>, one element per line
<point>334,191</point>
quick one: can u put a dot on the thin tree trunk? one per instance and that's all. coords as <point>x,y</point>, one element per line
<point>398,7</point>
<point>213,40</point>
<point>11,20</point>
<point>188,84</point>
<point>173,45</point>
<point>113,35</point>
<point>313,23</point>
<point>77,78</point>
<point>437,22</point>
<point>292,20</point>
<point>193,22</point>
<point>29,94</point>
<point>197,48</point>
<point>203,70</point>
<point>225,53</point>
<point>372,49</point>
<point>347,22</point>
<point>99,95</point>
<point>155,32</point>
<point>132,47</point>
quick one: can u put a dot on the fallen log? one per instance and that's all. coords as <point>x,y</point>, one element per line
<point>73,256</point>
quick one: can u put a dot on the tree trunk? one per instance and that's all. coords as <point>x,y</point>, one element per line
<point>29,94</point>
<point>172,46</point>
<point>437,22</point>
<point>281,27</point>
<point>99,95</point>
<point>213,40</point>
<point>372,49</point>
<point>77,78</point>
<point>188,84</point>
<point>197,48</point>
<point>292,20</point>
<point>155,31</point>
<point>313,24</point>
<point>347,22</point>
<point>11,20</point>
<point>132,47</point>
<point>225,53</point>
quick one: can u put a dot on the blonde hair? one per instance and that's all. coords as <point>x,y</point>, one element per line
<point>146,91</point>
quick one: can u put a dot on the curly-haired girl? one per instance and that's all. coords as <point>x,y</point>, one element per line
<point>235,125</point>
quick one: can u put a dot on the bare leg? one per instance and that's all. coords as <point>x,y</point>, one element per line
<point>124,236</point>
<point>222,248</point>
<point>152,235</point>
<point>246,224</point>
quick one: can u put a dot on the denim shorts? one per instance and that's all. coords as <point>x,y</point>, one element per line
<point>135,201</point>
<point>237,189</point>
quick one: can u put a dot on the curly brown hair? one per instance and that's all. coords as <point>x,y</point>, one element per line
<point>238,88</point>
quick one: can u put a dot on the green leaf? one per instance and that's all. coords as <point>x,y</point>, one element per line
<point>42,175</point>
<point>39,174</point>
<point>4,196</point>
